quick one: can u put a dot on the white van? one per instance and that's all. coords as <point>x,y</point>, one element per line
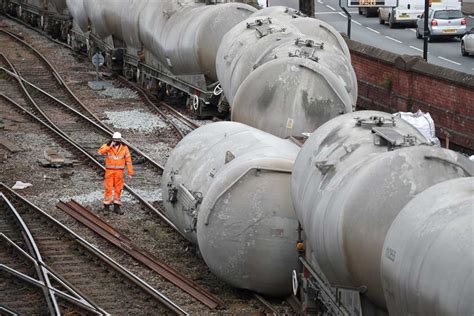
<point>406,13</point>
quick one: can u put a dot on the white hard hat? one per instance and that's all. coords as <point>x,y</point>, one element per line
<point>117,135</point>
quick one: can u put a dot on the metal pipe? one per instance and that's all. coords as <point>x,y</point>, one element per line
<point>349,21</point>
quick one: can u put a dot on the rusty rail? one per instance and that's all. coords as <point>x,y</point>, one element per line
<point>180,116</point>
<point>22,81</point>
<point>56,75</point>
<point>97,252</point>
<point>268,306</point>
<point>146,98</point>
<point>103,229</point>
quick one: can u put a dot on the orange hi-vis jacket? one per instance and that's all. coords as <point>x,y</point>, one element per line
<point>117,158</point>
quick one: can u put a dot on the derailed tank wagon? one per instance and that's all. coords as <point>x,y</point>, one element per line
<point>226,186</point>
<point>352,178</point>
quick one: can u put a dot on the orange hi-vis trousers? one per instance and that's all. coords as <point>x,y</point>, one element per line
<point>113,184</point>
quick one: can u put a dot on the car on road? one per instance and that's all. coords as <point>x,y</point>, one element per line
<point>467,43</point>
<point>405,13</point>
<point>442,23</point>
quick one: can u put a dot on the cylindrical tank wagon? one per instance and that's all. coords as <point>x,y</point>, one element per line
<point>183,36</point>
<point>297,74</point>
<point>298,95</point>
<point>78,12</point>
<point>428,254</point>
<point>226,186</point>
<point>351,179</point>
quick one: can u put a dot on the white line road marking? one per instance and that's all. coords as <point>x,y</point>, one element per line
<point>326,13</point>
<point>414,31</point>
<point>319,1</point>
<point>393,39</point>
<point>331,8</point>
<point>332,12</point>
<point>371,29</point>
<point>354,21</point>
<point>449,60</point>
<point>416,48</point>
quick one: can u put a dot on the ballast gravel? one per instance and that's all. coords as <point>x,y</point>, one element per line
<point>134,120</point>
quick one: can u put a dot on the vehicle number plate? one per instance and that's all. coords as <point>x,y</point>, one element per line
<point>449,30</point>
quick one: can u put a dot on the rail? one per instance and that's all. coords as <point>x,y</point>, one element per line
<point>98,253</point>
<point>268,306</point>
<point>56,75</point>
<point>76,299</point>
<point>22,81</point>
<point>109,233</point>
<point>151,104</point>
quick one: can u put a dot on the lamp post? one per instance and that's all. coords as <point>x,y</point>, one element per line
<point>426,32</point>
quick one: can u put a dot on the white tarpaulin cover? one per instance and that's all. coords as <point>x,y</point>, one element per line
<point>423,123</point>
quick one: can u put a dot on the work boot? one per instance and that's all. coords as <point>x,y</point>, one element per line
<point>117,209</point>
<point>106,208</point>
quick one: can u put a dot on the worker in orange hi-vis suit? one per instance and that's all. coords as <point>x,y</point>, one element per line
<point>117,157</point>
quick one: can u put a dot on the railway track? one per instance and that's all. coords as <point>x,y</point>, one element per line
<point>88,158</point>
<point>56,271</point>
<point>48,110</point>
<point>34,73</point>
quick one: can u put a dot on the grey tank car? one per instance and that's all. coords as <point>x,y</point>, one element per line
<point>299,74</point>
<point>226,186</point>
<point>428,254</point>
<point>351,179</point>
<point>182,35</point>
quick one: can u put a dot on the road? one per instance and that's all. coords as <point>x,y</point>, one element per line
<point>401,40</point>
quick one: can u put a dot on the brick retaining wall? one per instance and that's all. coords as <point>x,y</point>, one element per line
<point>392,83</point>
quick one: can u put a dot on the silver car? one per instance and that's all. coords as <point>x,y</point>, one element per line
<point>442,23</point>
<point>467,43</point>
